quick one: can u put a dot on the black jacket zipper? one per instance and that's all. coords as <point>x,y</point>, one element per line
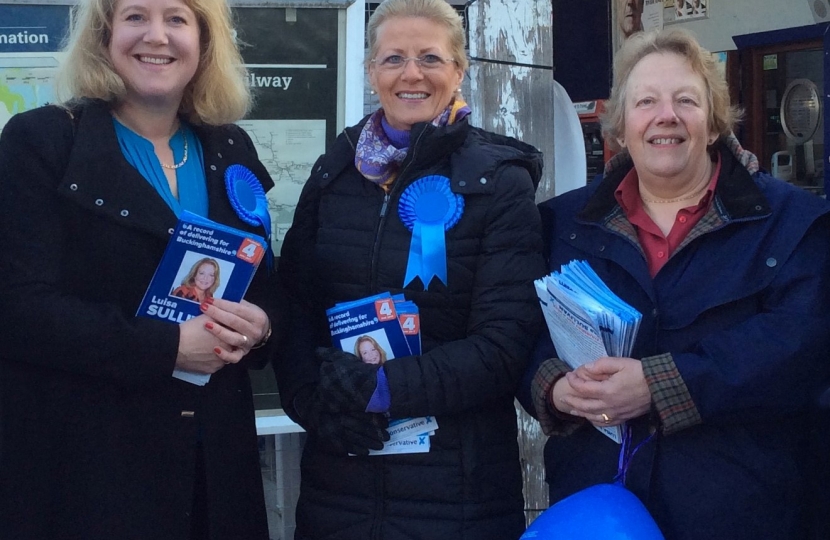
<point>397,186</point>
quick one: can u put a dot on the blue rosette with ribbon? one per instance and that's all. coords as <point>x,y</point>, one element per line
<point>249,202</point>
<point>428,208</point>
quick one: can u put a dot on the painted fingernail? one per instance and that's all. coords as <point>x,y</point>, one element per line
<point>204,305</point>
<point>217,350</point>
<point>209,325</point>
<point>209,300</point>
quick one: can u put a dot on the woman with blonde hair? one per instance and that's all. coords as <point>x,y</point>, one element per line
<point>100,441</point>
<point>200,282</point>
<point>369,350</point>
<point>414,175</point>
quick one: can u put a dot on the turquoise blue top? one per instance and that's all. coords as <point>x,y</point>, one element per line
<point>190,177</point>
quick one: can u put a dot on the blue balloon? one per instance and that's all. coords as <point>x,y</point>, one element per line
<point>601,512</point>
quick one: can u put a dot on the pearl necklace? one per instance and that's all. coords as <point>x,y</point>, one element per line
<point>692,195</point>
<point>184,158</point>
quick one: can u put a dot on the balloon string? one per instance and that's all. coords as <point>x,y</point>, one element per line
<point>626,454</point>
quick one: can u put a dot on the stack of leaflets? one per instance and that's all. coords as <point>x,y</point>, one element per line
<point>586,319</point>
<point>378,329</point>
<point>203,259</point>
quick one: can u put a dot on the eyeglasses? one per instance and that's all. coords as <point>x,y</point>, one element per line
<point>396,62</point>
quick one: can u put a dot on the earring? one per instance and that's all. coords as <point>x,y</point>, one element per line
<point>458,90</point>
<point>372,92</point>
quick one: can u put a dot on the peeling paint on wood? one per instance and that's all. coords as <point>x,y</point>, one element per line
<point>514,100</point>
<point>531,452</point>
<point>517,100</point>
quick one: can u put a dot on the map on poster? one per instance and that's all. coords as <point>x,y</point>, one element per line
<point>26,82</point>
<point>288,149</point>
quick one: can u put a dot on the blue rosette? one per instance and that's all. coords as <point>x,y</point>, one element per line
<point>249,202</point>
<point>428,208</point>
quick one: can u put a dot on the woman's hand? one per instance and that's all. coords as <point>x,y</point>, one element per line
<point>606,392</point>
<point>237,325</point>
<point>197,347</point>
<point>562,395</point>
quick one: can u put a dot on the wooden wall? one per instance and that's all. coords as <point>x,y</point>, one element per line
<point>511,97</point>
<point>516,98</point>
<point>531,445</point>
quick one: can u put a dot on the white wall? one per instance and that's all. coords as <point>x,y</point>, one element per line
<point>729,18</point>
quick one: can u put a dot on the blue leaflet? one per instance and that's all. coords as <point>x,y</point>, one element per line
<point>174,293</point>
<point>195,238</point>
<point>616,320</point>
<point>410,321</point>
<point>375,317</point>
<point>391,325</point>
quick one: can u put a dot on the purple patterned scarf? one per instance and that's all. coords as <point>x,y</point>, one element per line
<point>376,157</point>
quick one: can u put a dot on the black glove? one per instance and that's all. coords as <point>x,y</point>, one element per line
<point>343,432</point>
<point>346,382</point>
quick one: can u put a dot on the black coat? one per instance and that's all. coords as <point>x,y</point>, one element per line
<point>95,444</point>
<point>477,332</point>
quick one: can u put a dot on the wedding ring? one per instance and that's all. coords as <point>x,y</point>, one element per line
<point>606,418</point>
<point>244,339</point>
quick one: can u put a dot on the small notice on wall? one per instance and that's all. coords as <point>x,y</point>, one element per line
<point>653,15</point>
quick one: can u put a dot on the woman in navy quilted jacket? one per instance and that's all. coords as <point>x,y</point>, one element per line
<point>357,232</point>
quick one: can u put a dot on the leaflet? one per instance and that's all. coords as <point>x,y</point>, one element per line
<point>373,321</point>
<point>378,329</point>
<point>410,445</point>
<point>586,320</point>
<point>202,259</point>
<point>410,322</point>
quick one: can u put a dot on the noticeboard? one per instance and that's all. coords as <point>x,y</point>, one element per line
<point>30,38</point>
<point>292,60</point>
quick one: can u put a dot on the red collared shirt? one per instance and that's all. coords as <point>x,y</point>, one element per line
<point>657,247</point>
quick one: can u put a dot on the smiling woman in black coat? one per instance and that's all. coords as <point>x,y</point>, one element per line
<point>100,442</point>
<point>478,321</point>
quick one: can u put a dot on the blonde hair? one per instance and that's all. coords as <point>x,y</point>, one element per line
<point>438,11</point>
<point>190,279</point>
<point>722,115</point>
<point>218,93</point>
<point>370,339</point>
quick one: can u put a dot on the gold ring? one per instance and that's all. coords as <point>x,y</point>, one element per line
<point>606,418</point>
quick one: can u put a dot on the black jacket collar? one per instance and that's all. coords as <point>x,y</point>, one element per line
<point>99,178</point>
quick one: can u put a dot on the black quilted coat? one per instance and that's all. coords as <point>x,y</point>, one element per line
<point>347,242</point>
